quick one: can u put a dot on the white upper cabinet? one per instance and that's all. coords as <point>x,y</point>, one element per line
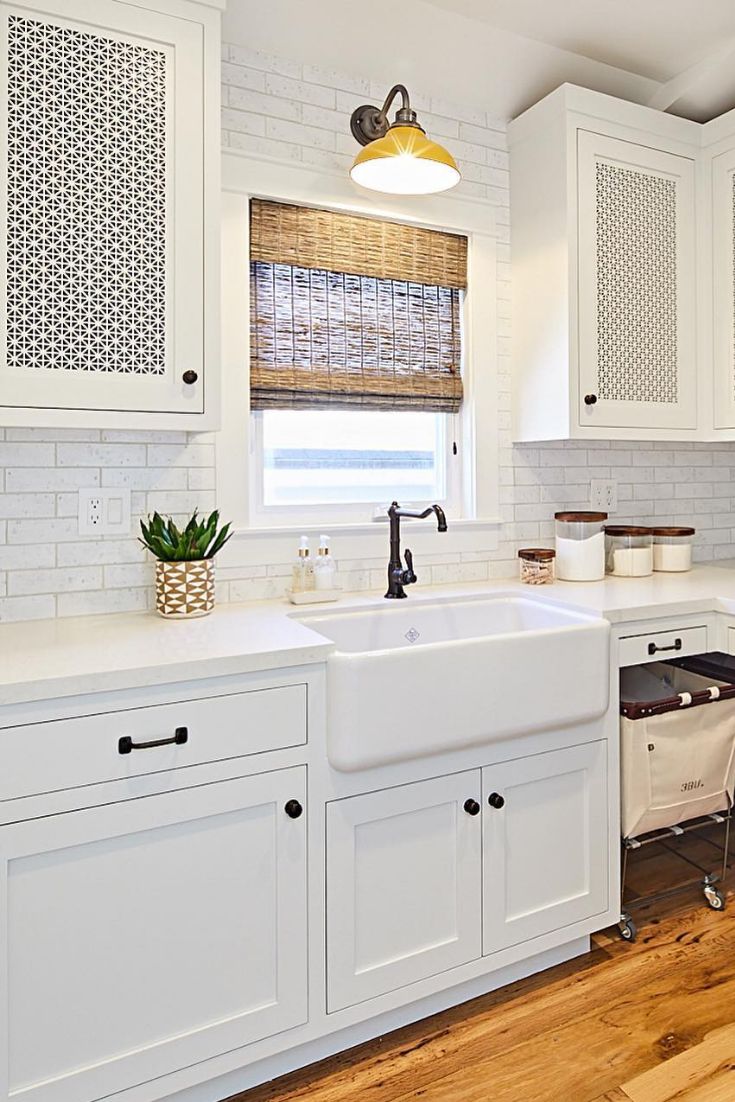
<point>109,211</point>
<point>605,270</point>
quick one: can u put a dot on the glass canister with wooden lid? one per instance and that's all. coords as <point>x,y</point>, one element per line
<point>628,550</point>
<point>672,549</point>
<point>580,546</point>
<point>536,565</point>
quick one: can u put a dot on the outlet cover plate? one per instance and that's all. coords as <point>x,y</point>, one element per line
<point>104,512</point>
<point>604,495</point>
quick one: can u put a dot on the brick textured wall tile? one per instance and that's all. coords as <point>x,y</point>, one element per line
<point>293,112</point>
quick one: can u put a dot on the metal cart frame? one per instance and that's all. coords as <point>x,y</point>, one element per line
<point>713,895</point>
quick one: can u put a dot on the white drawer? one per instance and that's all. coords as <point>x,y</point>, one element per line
<point>67,753</point>
<point>656,646</point>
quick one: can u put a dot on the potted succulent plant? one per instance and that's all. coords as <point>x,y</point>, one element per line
<point>185,566</point>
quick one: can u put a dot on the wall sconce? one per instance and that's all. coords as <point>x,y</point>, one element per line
<point>398,158</point>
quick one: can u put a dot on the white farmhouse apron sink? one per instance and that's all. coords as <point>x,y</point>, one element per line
<point>425,677</point>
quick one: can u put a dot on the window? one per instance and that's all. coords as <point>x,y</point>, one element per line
<point>355,362</point>
<point>334,457</point>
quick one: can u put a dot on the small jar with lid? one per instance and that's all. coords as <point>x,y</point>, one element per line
<point>536,565</point>
<point>672,548</point>
<point>580,546</point>
<point>628,550</point>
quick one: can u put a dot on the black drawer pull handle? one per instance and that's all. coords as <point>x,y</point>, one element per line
<point>126,744</point>
<point>653,649</point>
<point>293,809</point>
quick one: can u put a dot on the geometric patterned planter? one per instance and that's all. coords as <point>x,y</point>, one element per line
<point>185,589</point>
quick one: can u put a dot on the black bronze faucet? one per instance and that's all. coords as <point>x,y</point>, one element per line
<point>397,576</point>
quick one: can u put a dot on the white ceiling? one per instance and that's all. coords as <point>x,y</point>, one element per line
<point>658,39</point>
<point>676,55</point>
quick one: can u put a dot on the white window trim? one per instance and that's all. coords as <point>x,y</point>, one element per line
<point>245,177</point>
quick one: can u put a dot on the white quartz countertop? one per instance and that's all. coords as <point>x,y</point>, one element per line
<point>44,659</point>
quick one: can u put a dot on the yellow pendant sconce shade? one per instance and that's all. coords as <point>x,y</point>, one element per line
<point>399,159</point>
<point>405,162</point>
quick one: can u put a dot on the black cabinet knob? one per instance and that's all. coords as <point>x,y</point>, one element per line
<point>293,809</point>
<point>496,800</point>
<point>190,377</point>
<point>472,807</point>
<point>590,399</point>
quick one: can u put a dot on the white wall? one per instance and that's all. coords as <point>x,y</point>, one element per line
<point>439,54</point>
<point>46,569</point>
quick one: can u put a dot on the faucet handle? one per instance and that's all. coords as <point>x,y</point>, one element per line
<point>409,576</point>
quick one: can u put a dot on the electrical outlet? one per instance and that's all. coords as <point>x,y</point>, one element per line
<point>604,495</point>
<point>104,512</point>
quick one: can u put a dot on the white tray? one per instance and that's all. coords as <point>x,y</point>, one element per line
<point>314,596</point>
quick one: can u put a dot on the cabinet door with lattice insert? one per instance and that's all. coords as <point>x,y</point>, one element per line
<point>101,279</point>
<point>636,286</point>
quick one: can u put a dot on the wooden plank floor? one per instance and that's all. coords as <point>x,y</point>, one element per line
<point>650,1022</point>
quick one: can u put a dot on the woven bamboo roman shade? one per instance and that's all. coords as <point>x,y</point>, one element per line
<point>352,312</point>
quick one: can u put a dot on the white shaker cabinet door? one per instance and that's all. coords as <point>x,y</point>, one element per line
<point>403,886</point>
<point>101,208</point>
<point>636,286</point>
<point>144,936</point>
<point>545,843</point>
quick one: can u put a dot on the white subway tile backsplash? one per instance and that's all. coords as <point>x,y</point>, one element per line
<point>18,479</point>
<point>100,455</point>
<point>149,478</point>
<point>189,455</point>
<point>103,600</point>
<point>27,558</point>
<point>312,137</point>
<point>99,552</point>
<point>136,574</point>
<point>299,91</point>
<point>27,505</point>
<point>62,580</point>
<point>27,455</point>
<point>269,106</point>
<point>51,435</point>
<point>180,502</point>
<point>27,608</point>
<point>242,76</point>
<point>267,63</point>
<point>245,122</point>
<point>332,79</point>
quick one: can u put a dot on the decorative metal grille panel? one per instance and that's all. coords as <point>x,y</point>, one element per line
<point>636,236</point>
<point>86,208</point>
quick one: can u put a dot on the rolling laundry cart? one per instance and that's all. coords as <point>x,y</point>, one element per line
<point>677,735</point>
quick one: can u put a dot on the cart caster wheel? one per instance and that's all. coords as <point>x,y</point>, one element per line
<point>715,899</point>
<point>627,929</point>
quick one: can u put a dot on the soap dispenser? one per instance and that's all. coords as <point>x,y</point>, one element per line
<point>325,568</point>
<point>303,570</point>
